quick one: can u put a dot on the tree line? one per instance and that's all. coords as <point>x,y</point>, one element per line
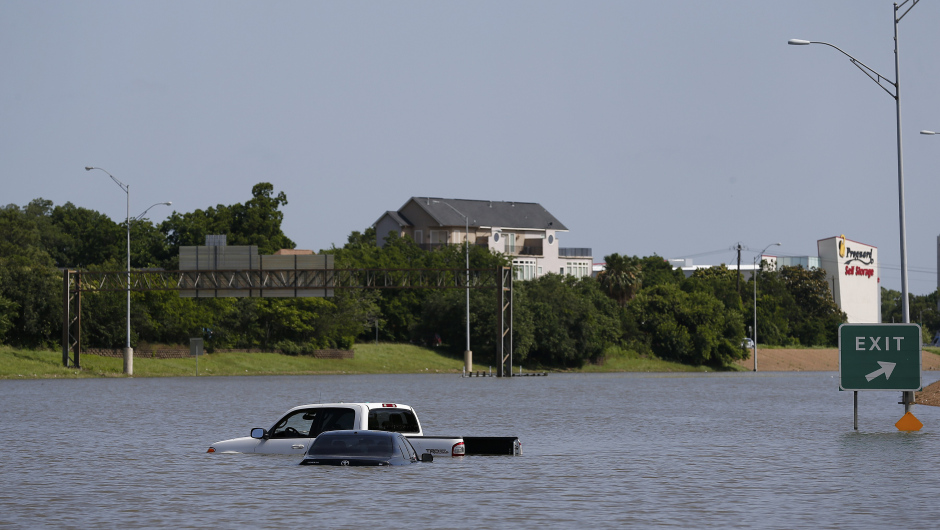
<point>638,304</point>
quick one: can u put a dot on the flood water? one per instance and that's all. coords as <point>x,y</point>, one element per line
<point>769,450</point>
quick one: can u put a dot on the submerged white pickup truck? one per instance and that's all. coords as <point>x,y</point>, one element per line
<point>299,426</point>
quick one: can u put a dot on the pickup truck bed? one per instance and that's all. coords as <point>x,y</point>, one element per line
<point>492,445</point>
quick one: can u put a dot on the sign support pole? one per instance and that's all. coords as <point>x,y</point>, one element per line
<point>856,410</point>
<point>907,399</point>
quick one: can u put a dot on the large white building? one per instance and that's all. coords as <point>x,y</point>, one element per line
<point>852,270</point>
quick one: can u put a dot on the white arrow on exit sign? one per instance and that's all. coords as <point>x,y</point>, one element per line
<point>886,368</point>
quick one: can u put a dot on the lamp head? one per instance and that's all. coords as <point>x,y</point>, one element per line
<point>927,132</point>
<point>798,42</point>
<point>168,203</point>
<point>88,168</point>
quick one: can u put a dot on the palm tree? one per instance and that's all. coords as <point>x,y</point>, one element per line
<point>621,278</point>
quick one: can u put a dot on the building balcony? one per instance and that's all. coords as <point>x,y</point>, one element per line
<point>528,251</point>
<point>436,246</point>
<point>572,252</point>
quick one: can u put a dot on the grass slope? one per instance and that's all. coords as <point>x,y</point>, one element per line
<point>369,359</point>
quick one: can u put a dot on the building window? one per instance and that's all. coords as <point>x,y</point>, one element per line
<point>523,269</point>
<point>578,269</point>
<point>419,237</point>
<point>438,237</point>
<point>510,245</point>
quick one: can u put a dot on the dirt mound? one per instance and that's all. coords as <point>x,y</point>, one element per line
<point>827,360</point>
<point>930,395</point>
<point>811,360</point>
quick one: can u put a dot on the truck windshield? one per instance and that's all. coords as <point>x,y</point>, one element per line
<point>352,445</point>
<point>393,420</point>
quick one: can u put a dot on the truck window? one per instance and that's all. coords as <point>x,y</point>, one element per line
<point>337,420</point>
<point>309,423</point>
<point>295,425</point>
<point>352,445</point>
<point>393,420</point>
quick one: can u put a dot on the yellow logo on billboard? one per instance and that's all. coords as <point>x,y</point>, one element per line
<point>842,246</point>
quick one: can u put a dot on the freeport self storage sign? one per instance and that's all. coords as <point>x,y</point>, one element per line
<point>879,357</point>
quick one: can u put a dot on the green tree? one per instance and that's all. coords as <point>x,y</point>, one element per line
<point>621,278</point>
<point>32,288</point>
<point>8,312</point>
<point>257,222</point>
<point>818,319</point>
<point>688,327</point>
<point>149,247</point>
<point>658,271</point>
<point>720,282</point>
<point>85,238</point>
<point>891,305</point>
<point>922,309</point>
<point>573,321</point>
<point>19,233</point>
<point>402,309</point>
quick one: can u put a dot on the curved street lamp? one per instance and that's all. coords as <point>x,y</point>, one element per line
<point>128,351</point>
<point>908,397</point>
<point>141,216</point>
<point>896,94</point>
<point>757,262</point>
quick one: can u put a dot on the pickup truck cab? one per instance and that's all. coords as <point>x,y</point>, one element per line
<point>293,433</point>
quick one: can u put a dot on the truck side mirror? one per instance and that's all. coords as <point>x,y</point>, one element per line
<point>427,457</point>
<point>259,433</point>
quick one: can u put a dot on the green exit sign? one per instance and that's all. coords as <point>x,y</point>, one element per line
<point>879,357</point>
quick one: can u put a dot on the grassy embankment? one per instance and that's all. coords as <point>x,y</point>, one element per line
<point>369,359</point>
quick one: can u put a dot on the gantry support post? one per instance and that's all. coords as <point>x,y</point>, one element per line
<point>71,318</point>
<point>504,322</point>
<point>66,303</point>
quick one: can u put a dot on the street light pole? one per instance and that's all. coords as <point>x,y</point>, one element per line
<point>128,351</point>
<point>467,354</point>
<point>757,262</point>
<point>908,397</point>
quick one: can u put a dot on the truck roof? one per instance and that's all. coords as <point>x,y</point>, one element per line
<point>366,405</point>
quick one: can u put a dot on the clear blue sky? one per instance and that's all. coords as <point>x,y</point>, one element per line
<point>678,128</point>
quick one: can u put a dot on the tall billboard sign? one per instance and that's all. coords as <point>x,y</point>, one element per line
<point>852,270</point>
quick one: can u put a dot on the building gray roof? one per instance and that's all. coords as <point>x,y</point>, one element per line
<point>395,216</point>
<point>501,214</point>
